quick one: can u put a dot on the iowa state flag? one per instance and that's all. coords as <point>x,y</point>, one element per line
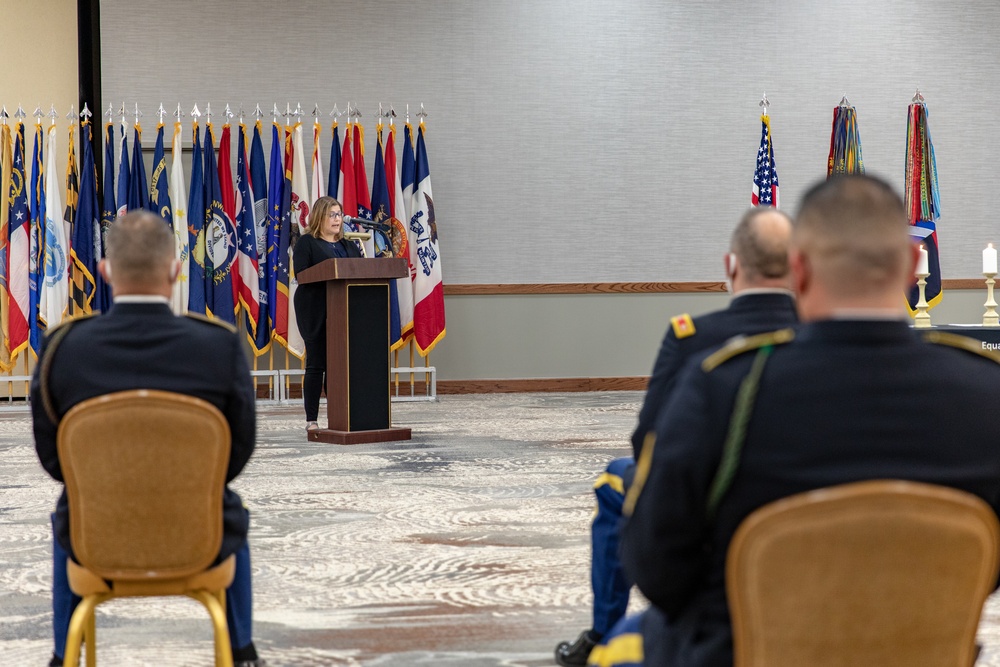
<point>18,251</point>
<point>428,289</point>
<point>85,248</point>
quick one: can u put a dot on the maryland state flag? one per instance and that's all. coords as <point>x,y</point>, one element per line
<point>18,251</point>
<point>220,239</point>
<point>85,248</point>
<point>428,287</point>
<point>72,188</point>
<point>923,205</point>
<point>196,228</point>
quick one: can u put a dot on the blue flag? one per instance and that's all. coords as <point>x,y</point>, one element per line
<point>85,248</point>
<point>260,340</point>
<point>124,177</point>
<point>196,230</point>
<point>277,240</point>
<point>159,190</point>
<point>138,189</point>
<point>37,242</point>
<point>220,241</point>
<point>18,249</point>
<point>382,213</point>
<point>333,180</point>
<point>109,209</point>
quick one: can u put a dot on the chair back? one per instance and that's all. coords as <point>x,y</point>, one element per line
<point>868,573</point>
<point>145,472</point>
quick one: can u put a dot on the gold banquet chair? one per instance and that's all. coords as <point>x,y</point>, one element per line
<point>868,573</point>
<point>144,473</point>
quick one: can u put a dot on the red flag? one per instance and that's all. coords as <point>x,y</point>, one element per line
<point>361,184</point>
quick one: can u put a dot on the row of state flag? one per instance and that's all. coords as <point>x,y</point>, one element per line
<point>234,237</point>
<point>922,198</point>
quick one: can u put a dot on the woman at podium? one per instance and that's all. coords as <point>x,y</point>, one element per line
<point>323,240</point>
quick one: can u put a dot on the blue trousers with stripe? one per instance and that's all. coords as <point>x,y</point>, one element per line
<point>607,577</point>
<point>239,600</point>
<point>622,647</point>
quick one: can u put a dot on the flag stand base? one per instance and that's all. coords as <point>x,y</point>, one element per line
<point>358,437</point>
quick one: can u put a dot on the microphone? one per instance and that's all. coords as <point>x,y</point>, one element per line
<point>367,224</point>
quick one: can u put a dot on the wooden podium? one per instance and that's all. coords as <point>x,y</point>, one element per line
<point>357,348</point>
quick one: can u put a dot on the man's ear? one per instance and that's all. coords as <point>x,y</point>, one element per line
<point>801,271</point>
<point>105,269</point>
<point>731,264</point>
<point>175,269</point>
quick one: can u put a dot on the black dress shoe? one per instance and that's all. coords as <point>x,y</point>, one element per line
<point>56,661</point>
<point>576,654</point>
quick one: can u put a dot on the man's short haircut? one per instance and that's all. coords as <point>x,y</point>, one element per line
<point>762,249</point>
<point>139,244</point>
<point>855,230</point>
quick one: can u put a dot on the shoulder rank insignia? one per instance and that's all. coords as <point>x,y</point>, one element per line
<point>740,344</point>
<point>961,342</point>
<point>209,320</point>
<point>683,326</point>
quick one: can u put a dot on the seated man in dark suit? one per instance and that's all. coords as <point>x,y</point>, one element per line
<point>141,344</point>
<point>757,270</point>
<point>852,394</point>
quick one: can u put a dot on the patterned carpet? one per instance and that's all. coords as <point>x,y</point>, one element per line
<point>467,546</point>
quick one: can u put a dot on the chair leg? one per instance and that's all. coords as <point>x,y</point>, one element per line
<point>217,612</point>
<point>81,622</point>
<point>90,638</point>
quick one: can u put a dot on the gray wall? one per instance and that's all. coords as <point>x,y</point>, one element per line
<point>580,140</point>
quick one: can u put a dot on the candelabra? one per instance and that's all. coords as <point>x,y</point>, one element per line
<point>990,318</point>
<point>922,319</point>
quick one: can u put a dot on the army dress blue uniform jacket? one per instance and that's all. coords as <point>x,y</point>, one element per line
<point>750,312</point>
<point>145,346</point>
<point>845,401</point>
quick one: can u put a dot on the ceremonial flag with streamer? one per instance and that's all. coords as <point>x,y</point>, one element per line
<point>400,238</point>
<point>765,175</point>
<point>364,201</point>
<point>333,183</point>
<point>845,142</point>
<point>428,288</point>
<point>260,340</point>
<point>197,298</point>
<point>277,241</point>
<point>18,252</point>
<point>138,188</point>
<point>220,238</point>
<point>159,190</point>
<point>381,211</point>
<point>246,236</point>
<point>36,241</point>
<point>109,209</point>
<point>295,193</point>
<point>179,213</point>
<point>923,204</point>
<point>54,289</point>
<point>6,170</point>
<point>85,248</point>
<point>318,182</point>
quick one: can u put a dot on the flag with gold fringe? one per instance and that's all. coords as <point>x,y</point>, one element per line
<point>53,291</point>
<point>85,248</point>
<point>36,240</point>
<point>18,250</point>
<point>845,142</point>
<point>6,170</point>
<point>923,205</point>
<point>765,175</point>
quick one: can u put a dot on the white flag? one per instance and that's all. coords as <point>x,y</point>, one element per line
<point>178,197</point>
<point>318,182</point>
<point>53,300</point>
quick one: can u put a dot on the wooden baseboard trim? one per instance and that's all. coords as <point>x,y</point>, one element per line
<point>542,385</point>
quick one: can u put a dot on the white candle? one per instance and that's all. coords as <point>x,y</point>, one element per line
<point>922,265</point>
<point>990,259</point>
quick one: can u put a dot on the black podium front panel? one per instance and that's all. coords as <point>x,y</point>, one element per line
<point>368,357</point>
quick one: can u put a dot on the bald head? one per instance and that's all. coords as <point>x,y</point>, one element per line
<point>140,254</point>
<point>851,244</point>
<point>760,244</point>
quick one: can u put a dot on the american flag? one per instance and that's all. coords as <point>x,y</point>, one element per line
<point>765,176</point>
